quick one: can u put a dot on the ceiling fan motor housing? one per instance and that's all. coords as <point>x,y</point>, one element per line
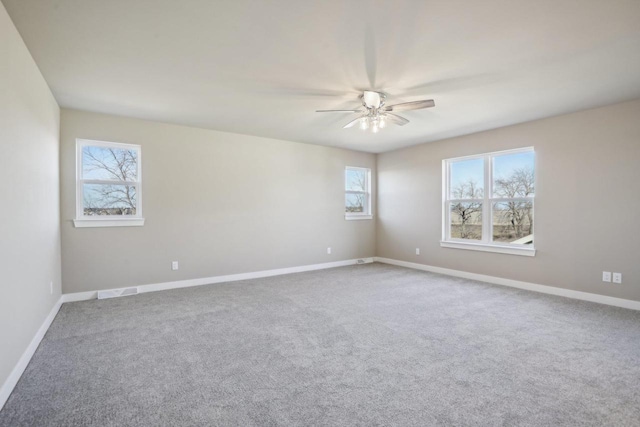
<point>371,99</point>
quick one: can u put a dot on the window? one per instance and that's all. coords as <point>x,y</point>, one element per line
<point>108,184</point>
<point>357,193</point>
<point>488,202</point>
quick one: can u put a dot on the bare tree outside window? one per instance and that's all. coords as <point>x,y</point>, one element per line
<point>466,217</point>
<point>466,194</point>
<point>354,203</point>
<point>357,191</point>
<point>513,219</point>
<point>109,181</point>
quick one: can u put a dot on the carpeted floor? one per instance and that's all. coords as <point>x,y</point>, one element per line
<point>363,345</point>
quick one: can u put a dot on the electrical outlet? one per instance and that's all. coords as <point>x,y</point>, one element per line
<point>617,277</point>
<point>174,265</point>
<point>51,287</point>
<point>606,276</point>
<point>328,251</point>
<point>417,251</point>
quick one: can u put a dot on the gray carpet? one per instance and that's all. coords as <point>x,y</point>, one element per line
<point>363,345</point>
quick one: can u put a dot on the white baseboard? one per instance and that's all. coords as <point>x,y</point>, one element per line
<point>83,296</point>
<point>14,376</point>
<point>585,296</point>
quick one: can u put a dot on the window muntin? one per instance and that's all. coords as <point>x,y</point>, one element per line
<point>108,183</point>
<point>500,217</point>
<point>357,192</point>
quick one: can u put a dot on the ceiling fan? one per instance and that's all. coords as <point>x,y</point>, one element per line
<point>376,114</point>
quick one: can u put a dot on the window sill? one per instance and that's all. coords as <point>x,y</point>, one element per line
<point>357,217</point>
<point>511,250</point>
<point>112,222</point>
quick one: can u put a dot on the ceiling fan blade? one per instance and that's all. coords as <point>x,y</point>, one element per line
<point>396,119</point>
<point>339,111</point>
<point>414,105</point>
<point>351,123</point>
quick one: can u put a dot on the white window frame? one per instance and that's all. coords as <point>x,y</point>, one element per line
<point>367,194</point>
<point>82,220</point>
<point>486,244</point>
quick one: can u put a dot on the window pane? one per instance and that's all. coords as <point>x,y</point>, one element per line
<point>513,175</point>
<point>466,220</point>
<point>356,203</point>
<point>105,199</point>
<point>513,223</point>
<point>109,163</point>
<point>467,179</point>
<point>356,180</point>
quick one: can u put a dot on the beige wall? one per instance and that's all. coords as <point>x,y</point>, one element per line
<point>587,211</point>
<point>29,214</point>
<point>225,203</point>
<point>219,203</point>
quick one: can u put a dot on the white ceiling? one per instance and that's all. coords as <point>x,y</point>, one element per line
<point>263,67</point>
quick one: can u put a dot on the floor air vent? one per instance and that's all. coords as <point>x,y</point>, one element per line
<point>113,293</point>
<point>364,261</point>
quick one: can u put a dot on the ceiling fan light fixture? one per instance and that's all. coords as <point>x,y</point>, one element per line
<point>371,99</point>
<point>376,113</point>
